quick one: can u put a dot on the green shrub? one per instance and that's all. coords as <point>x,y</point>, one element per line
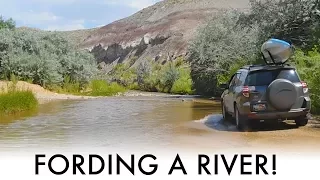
<point>148,76</point>
<point>46,58</point>
<point>123,74</point>
<point>17,101</point>
<point>68,86</point>
<point>168,75</point>
<point>296,21</point>
<point>219,44</point>
<point>233,68</point>
<point>102,88</point>
<point>183,85</point>
<point>7,24</point>
<point>308,65</point>
<point>134,86</point>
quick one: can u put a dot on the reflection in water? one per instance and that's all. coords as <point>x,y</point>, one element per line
<point>102,122</point>
<point>7,119</point>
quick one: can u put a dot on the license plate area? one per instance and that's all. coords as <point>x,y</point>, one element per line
<point>259,107</point>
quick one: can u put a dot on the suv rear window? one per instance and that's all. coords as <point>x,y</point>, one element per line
<point>264,78</point>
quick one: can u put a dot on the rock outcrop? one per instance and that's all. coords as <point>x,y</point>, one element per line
<point>160,32</point>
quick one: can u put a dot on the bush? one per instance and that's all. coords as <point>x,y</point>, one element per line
<point>7,24</point>
<point>17,101</point>
<point>151,76</point>
<point>308,65</point>
<point>220,43</point>
<point>148,76</point>
<point>123,74</point>
<point>68,87</point>
<point>295,21</point>
<point>168,76</point>
<point>233,68</point>
<point>45,58</point>
<point>183,85</point>
<point>102,88</point>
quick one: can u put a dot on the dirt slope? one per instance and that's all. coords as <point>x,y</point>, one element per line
<point>161,31</point>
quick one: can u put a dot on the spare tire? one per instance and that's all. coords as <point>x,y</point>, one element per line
<point>282,94</point>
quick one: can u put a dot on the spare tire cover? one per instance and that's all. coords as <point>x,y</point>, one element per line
<point>282,94</point>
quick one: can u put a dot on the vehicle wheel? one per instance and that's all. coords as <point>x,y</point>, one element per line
<point>225,114</point>
<point>241,122</point>
<point>302,121</point>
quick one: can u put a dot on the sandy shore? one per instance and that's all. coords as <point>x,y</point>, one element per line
<point>42,94</point>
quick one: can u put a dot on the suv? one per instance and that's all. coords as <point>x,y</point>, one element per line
<point>266,92</point>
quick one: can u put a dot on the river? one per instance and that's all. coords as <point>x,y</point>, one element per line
<point>144,122</point>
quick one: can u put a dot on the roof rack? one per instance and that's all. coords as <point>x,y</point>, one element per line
<point>272,58</point>
<point>249,67</point>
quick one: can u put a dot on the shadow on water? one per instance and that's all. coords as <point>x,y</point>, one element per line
<point>217,122</point>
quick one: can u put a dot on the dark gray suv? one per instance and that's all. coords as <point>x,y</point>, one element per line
<point>266,92</point>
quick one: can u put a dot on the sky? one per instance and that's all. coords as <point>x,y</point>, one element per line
<point>64,15</point>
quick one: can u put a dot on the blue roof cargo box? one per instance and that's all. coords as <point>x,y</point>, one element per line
<point>276,51</point>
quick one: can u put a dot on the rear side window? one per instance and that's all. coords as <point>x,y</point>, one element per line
<point>264,78</point>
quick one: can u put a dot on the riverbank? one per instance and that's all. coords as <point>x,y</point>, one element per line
<point>41,94</point>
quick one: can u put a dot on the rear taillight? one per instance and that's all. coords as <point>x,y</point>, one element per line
<point>305,87</point>
<point>246,91</point>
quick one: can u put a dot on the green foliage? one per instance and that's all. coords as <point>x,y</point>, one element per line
<point>44,58</point>
<point>14,101</point>
<point>296,21</point>
<point>103,88</point>
<point>123,74</point>
<point>168,76</point>
<point>308,65</point>
<point>232,39</point>
<point>220,43</point>
<point>233,68</point>
<point>7,24</point>
<point>147,76</point>
<point>183,85</point>
<point>68,86</point>
<point>173,77</point>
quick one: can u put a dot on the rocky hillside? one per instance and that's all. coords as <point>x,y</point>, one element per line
<point>160,32</point>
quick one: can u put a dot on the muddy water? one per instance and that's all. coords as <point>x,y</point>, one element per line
<point>144,122</point>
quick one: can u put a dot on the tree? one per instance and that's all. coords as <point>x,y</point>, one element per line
<point>219,44</point>
<point>295,21</point>
<point>45,58</point>
<point>7,24</point>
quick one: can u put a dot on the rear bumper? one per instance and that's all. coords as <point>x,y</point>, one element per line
<point>294,113</point>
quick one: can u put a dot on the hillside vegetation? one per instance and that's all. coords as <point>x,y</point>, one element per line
<point>233,39</point>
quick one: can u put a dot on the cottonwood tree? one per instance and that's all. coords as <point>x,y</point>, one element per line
<point>220,43</point>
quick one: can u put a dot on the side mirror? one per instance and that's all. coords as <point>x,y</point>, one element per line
<point>224,86</point>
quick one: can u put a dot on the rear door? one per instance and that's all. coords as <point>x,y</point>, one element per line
<point>258,82</point>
